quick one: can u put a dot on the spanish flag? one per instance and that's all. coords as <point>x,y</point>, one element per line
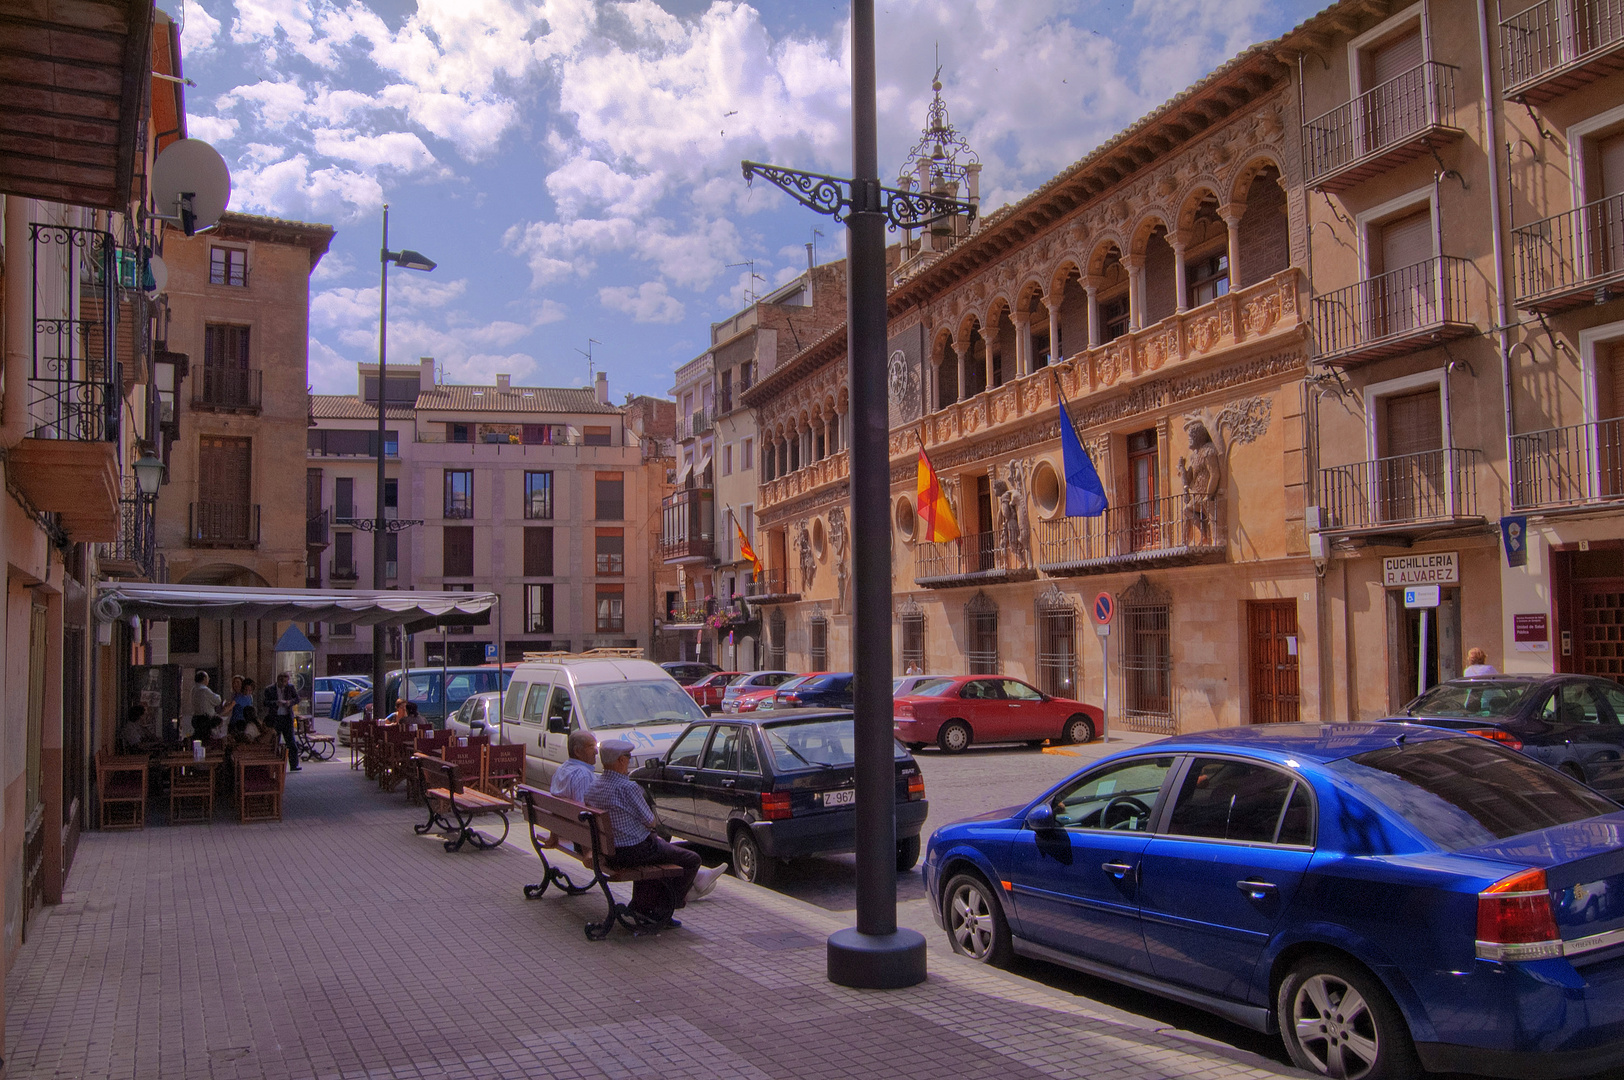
<point>934,512</point>
<point>745,550</point>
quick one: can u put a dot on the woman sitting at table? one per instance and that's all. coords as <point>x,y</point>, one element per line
<point>247,730</point>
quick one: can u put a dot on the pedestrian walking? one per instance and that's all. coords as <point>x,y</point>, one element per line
<point>279,701</point>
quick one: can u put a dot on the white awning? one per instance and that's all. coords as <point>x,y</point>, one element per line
<point>704,461</point>
<point>682,473</point>
<point>411,609</point>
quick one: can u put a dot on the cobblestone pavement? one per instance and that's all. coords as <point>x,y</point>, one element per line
<point>337,944</point>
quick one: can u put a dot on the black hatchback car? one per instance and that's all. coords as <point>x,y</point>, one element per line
<point>688,672</point>
<point>1571,722</point>
<point>775,787</point>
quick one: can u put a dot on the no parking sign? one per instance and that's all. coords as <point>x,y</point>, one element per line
<point>1104,611</point>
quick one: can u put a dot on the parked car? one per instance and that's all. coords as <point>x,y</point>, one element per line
<point>774,788</point>
<point>707,692</point>
<point>751,681</point>
<point>688,672</point>
<point>480,714</point>
<point>966,709</point>
<point>904,685</point>
<point>1571,722</point>
<point>324,689</point>
<point>1388,897</point>
<point>434,691</point>
<point>826,690</point>
<point>614,697</point>
<point>764,699</point>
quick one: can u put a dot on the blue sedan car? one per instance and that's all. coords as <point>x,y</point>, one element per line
<point>1388,897</point>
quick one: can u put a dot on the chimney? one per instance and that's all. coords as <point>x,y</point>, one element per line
<point>504,383</point>
<point>600,388</point>
<point>425,378</point>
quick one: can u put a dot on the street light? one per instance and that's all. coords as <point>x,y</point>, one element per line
<point>381,527</point>
<point>149,473</point>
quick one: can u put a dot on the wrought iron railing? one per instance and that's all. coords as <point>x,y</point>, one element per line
<point>337,571</point>
<point>73,388</point>
<point>224,524</point>
<point>1568,466</point>
<point>972,553</point>
<point>1571,251</point>
<point>695,424</point>
<point>1434,485</point>
<point>1384,117</point>
<point>1540,40</point>
<point>318,528</point>
<point>1391,307</point>
<point>1174,524</point>
<point>215,386</point>
<point>137,537</point>
<point>770,582</point>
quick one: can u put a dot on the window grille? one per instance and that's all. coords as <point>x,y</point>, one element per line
<point>1057,643</point>
<point>981,634</point>
<point>775,640</point>
<point>1147,659</point>
<point>911,620</point>
<point>820,641</point>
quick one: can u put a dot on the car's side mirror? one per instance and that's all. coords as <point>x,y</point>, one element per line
<point>558,725</point>
<point>1041,817</point>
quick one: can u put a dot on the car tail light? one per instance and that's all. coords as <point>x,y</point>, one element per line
<point>1498,736</point>
<point>916,788</point>
<point>902,711</point>
<point>775,805</point>
<point>1514,920</point>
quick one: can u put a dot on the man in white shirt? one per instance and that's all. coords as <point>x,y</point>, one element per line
<point>205,706</point>
<point>576,775</point>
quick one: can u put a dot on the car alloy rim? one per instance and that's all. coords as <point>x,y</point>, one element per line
<point>955,736</point>
<point>1335,1027</point>
<point>972,921</point>
<point>746,858</point>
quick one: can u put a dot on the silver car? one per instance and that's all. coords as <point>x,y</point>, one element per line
<point>479,714</point>
<point>753,680</point>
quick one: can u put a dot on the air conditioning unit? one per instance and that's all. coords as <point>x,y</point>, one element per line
<point>1314,517</point>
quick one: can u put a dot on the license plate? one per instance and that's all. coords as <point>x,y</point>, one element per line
<point>839,798</point>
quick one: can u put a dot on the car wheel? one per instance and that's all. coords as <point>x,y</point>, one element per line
<point>975,922</point>
<point>1079,729</point>
<point>953,737</point>
<point>907,854</point>
<point>1337,1020</point>
<point>749,864</point>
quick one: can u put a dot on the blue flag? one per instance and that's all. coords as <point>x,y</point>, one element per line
<point>1085,495</point>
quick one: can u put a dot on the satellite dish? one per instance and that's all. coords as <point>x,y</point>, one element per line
<point>191,184</point>
<point>159,273</point>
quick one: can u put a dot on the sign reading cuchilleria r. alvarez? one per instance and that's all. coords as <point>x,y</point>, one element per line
<point>1433,568</point>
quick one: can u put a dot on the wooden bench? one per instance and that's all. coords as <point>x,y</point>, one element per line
<point>582,833</point>
<point>445,793</point>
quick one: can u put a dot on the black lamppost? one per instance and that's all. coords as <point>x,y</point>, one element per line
<point>380,527</point>
<point>875,954</point>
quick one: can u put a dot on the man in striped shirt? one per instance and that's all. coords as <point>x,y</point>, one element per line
<point>633,822</point>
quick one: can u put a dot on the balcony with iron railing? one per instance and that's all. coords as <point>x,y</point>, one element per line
<point>1570,259</point>
<point>1557,46</point>
<point>1576,466</point>
<point>697,423</point>
<point>318,530</point>
<point>772,585</point>
<point>1172,530</point>
<point>67,461</point>
<point>1401,119</point>
<point>1431,488</point>
<point>339,572</point>
<point>223,524</point>
<point>217,388</point>
<point>688,531</point>
<point>1394,312</point>
<point>134,553</point>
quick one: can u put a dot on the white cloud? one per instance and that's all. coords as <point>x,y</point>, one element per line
<point>394,149</point>
<point>647,303</point>
<point>198,29</point>
<point>211,129</point>
<point>291,187</point>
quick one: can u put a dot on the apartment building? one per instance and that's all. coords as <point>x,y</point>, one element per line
<point>705,516</point>
<point>539,494</point>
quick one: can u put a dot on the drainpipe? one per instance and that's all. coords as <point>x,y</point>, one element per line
<point>1503,319</point>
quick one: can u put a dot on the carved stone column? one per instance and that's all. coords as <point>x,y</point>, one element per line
<point>1136,291</point>
<point>1057,348</point>
<point>986,358</point>
<point>1023,344</point>
<point>1232,222</point>
<point>1180,284</point>
<point>1093,315</point>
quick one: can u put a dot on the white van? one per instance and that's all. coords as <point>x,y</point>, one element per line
<point>614,698</point>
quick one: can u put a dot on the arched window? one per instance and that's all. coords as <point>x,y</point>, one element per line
<point>1057,642</point>
<point>981,634</point>
<point>1264,238</point>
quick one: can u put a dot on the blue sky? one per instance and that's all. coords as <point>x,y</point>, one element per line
<point>573,166</point>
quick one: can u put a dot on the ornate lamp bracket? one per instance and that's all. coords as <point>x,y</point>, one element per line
<point>839,198</point>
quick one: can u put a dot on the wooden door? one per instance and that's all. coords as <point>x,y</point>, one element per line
<point>1143,473</point>
<point>981,543</point>
<point>1409,476</point>
<point>1395,107</point>
<point>1610,419</point>
<point>224,489</point>
<point>1600,643</point>
<point>1406,298</point>
<point>1272,635</point>
<point>1604,216</point>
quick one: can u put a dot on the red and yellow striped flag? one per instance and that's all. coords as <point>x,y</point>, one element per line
<point>745,550</point>
<point>934,512</point>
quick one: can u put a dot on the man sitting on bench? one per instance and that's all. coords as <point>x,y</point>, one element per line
<point>574,776</point>
<point>633,822</point>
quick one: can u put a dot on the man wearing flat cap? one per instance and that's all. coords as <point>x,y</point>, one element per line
<point>633,822</point>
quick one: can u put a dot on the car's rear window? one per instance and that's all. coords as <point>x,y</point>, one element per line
<point>800,744</point>
<point>932,688</point>
<point>1477,699</point>
<point>1464,792</point>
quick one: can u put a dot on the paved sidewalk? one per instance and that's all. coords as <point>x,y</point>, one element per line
<point>337,944</point>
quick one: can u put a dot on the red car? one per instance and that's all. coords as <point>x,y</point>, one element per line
<point>707,692</point>
<point>990,708</point>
